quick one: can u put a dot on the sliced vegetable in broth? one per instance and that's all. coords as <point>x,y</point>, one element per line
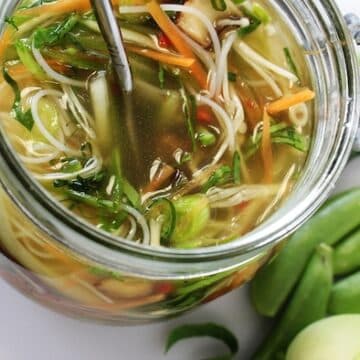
<point>220,119</point>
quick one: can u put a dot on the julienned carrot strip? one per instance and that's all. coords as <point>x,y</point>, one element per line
<point>162,57</point>
<point>290,100</point>
<point>266,149</point>
<point>64,6</point>
<point>58,7</point>
<point>172,32</point>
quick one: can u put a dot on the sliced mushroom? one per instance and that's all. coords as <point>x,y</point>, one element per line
<point>195,28</point>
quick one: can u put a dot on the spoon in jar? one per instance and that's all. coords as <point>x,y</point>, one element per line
<point>111,33</point>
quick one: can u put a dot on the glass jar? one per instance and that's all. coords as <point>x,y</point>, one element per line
<point>75,269</point>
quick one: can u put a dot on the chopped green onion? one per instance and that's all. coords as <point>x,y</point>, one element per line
<point>290,61</point>
<point>232,76</point>
<point>71,165</point>
<point>219,177</point>
<point>163,210</point>
<point>254,24</point>
<point>219,5</point>
<point>24,118</point>
<point>206,137</point>
<point>260,13</point>
<point>204,330</point>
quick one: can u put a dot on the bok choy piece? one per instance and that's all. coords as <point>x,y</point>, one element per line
<point>192,216</point>
<point>54,34</point>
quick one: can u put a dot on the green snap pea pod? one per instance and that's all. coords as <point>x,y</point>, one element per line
<point>274,282</point>
<point>345,296</point>
<point>347,255</point>
<point>308,304</point>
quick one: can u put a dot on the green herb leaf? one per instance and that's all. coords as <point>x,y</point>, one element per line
<point>281,133</point>
<point>54,34</point>
<point>290,62</point>
<point>24,118</point>
<point>290,136</point>
<point>189,110</point>
<point>219,5</point>
<point>219,177</point>
<point>204,330</point>
<point>83,185</point>
<point>28,4</point>
<point>11,21</point>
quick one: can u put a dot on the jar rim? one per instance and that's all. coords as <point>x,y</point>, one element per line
<point>264,235</point>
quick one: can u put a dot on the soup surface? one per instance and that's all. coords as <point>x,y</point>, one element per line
<point>207,146</point>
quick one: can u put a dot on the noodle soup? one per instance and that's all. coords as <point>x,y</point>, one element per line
<point>213,139</point>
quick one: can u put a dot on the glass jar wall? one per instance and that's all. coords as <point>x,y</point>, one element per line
<point>73,268</point>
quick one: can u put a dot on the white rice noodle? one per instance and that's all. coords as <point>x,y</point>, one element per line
<point>238,114</point>
<point>259,126</point>
<point>141,221</point>
<point>150,195</point>
<point>28,90</point>
<point>92,289</point>
<point>82,116</point>
<point>133,229</point>
<point>37,152</point>
<point>60,146</point>
<point>206,59</point>
<point>93,166</point>
<point>219,154</point>
<point>246,52</point>
<point>280,194</point>
<point>223,117</point>
<point>269,80</point>
<point>52,73</point>
<point>155,232</point>
<point>224,198</point>
<point>243,22</point>
<point>40,160</point>
<point>221,70</point>
<point>184,9</point>
<point>155,166</point>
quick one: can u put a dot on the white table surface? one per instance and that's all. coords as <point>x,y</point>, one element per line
<point>30,332</point>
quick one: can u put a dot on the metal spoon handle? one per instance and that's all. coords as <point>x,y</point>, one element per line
<point>112,36</point>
